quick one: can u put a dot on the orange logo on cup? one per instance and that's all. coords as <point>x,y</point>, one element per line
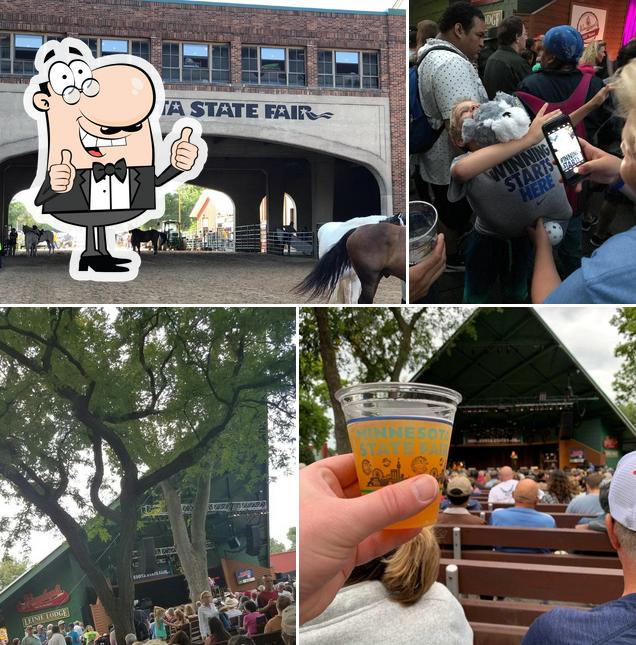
<point>390,449</point>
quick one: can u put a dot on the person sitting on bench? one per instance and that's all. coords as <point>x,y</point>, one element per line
<point>611,622</point>
<point>523,514</point>
<point>458,491</point>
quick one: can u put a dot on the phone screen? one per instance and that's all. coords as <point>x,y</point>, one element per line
<point>566,149</point>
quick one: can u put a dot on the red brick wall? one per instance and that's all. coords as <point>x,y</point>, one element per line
<point>238,25</point>
<point>559,14</point>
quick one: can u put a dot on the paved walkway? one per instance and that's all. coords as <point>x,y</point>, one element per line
<point>171,277</point>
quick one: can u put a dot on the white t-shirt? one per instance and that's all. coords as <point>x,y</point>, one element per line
<point>205,613</point>
<point>444,78</point>
<point>502,492</point>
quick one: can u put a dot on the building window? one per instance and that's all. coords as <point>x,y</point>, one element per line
<point>195,63</point>
<point>5,53</point>
<point>25,48</point>
<point>109,46</point>
<point>273,66</point>
<point>348,69</point>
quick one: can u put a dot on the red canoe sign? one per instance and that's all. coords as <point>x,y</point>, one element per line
<point>53,598</point>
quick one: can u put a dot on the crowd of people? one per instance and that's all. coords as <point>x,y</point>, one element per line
<point>361,583</point>
<point>232,618</point>
<point>486,167</point>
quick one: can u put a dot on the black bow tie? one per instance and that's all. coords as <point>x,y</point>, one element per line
<point>118,169</point>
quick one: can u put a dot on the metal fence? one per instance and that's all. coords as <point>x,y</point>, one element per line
<point>254,239</point>
<point>209,242</point>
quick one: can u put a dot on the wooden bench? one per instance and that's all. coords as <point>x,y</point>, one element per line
<point>506,622</point>
<point>505,536</point>
<point>563,520</point>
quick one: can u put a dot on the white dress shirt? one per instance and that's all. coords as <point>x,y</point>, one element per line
<point>110,193</point>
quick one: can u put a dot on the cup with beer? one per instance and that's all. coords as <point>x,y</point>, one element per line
<point>397,431</point>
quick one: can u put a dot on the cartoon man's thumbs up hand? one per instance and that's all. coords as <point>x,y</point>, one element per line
<point>183,154</point>
<point>62,175</point>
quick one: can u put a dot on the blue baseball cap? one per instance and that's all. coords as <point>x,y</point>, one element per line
<point>564,42</point>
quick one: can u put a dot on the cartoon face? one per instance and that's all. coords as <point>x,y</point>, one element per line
<point>98,114</point>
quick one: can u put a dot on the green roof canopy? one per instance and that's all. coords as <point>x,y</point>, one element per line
<point>511,369</point>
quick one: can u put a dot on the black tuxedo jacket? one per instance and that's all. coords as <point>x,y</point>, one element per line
<point>142,183</point>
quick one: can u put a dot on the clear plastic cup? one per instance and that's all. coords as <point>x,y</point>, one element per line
<point>397,431</point>
<point>422,230</point>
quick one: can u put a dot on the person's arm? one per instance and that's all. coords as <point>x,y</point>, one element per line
<point>596,101</point>
<point>481,160</point>
<point>545,277</point>
<point>340,528</point>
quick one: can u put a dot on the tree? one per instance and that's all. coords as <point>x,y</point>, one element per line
<point>179,205</point>
<point>275,546</point>
<point>10,569</point>
<point>291,536</point>
<point>139,393</point>
<point>364,344</point>
<point>625,381</point>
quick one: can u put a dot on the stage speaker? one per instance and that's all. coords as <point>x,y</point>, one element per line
<point>567,424</point>
<point>253,540</point>
<point>148,555</point>
<point>234,543</point>
<point>91,596</point>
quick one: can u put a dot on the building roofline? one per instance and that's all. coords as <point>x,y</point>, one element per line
<point>190,3</point>
<point>31,572</point>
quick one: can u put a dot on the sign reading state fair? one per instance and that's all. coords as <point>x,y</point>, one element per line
<point>240,110</point>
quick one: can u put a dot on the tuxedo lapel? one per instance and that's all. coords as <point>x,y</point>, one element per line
<point>133,174</point>
<point>85,185</point>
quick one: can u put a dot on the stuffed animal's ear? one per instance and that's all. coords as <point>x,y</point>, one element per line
<point>506,98</point>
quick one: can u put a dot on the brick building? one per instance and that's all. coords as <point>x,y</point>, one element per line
<point>305,102</point>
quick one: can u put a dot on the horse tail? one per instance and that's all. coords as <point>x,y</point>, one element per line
<point>327,272</point>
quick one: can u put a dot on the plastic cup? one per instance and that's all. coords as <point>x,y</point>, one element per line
<point>397,431</point>
<point>422,230</point>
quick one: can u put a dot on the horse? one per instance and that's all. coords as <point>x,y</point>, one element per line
<point>137,237</point>
<point>33,237</point>
<point>355,255</point>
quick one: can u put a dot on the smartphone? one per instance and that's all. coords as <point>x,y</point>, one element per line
<point>565,146</point>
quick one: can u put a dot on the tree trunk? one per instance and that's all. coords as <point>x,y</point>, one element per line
<point>332,378</point>
<point>192,553</point>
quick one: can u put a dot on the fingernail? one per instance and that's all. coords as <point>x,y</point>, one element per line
<point>425,488</point>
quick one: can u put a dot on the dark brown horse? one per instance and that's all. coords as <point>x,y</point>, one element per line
<point>371,252</point>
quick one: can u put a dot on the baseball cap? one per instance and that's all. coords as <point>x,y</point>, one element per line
<point>565,42</point>
<point>60,622</point>
<point>622,492</point>
<point>459,486</point>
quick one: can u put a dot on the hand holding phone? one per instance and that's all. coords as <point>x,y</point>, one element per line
<point>565,147</point>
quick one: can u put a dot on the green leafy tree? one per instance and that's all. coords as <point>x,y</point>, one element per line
<point>183,200</point>
<point>360,344</point>
<point>139,394</point>
<point>625,380</point>
<point>291,536</point>
<point>10,569</point>
<point>275,546</point>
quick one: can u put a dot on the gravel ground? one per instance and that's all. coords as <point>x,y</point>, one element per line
<point>171,277</point>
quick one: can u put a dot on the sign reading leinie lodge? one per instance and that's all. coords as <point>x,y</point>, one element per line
<point>241,110</point>
<point>46,616</point>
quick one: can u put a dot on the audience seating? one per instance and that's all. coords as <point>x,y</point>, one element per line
<point>590,578</point>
